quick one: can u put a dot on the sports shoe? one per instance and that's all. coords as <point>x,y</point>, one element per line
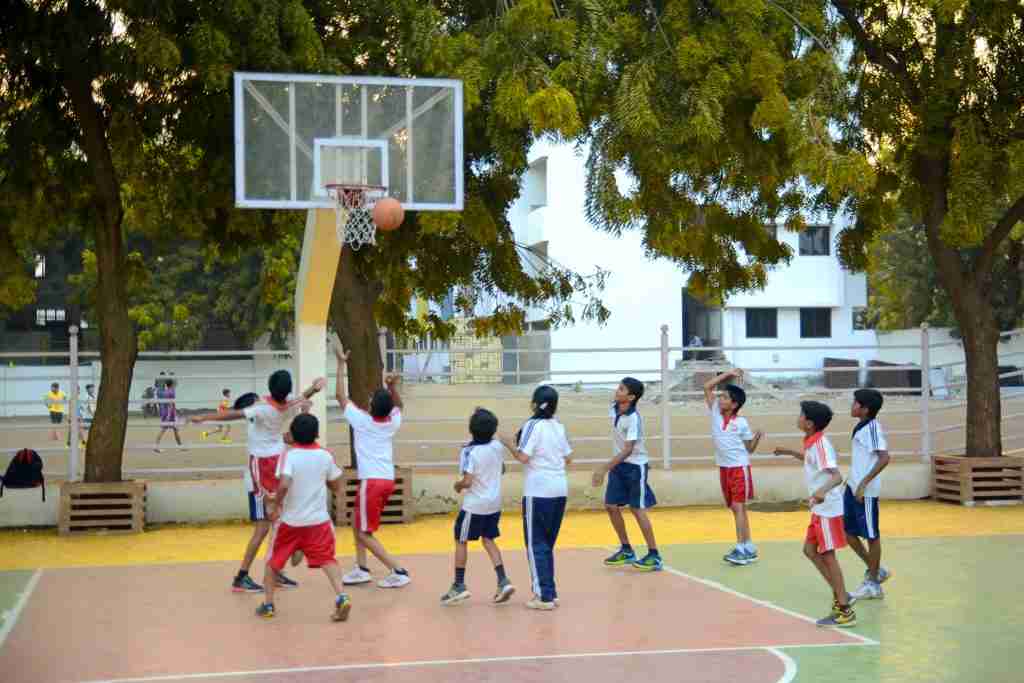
<point>226,440</point>
<point>620,558</point>
<point>504,592</point>
<point>869,590</point>
<point>394,580</point>
<point>649,563</point>
<point>356,576</point>
<point>265,610</point>
<point>342,606</point>
<point>284,582</point>
<point>737,557</point>
<point>883,575</point>
<point>751,555</point>
<point>843,618</point>
<point>204,435</point>
<point>537,603</point>
<point>245,585</point>
<point>456,594</point>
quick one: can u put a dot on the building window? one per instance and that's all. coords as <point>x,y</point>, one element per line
<point>814,241</point>
<point>40,271</point>
<point>815,323</point>
<point>861,319</point>
<point>41,317</point>
<point>762,323</point>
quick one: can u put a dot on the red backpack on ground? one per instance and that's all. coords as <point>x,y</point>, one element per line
<point>24,472</point>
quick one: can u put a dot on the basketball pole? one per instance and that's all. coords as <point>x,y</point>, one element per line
<point>318,267</point>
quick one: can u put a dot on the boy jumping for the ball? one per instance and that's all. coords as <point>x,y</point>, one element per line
<point>734,442</point>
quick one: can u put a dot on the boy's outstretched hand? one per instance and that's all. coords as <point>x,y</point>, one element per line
<point>319,383</point>
<point>391,379</point>
<point>597,478</point>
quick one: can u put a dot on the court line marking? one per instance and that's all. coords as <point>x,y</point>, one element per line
<point>789,674</point>
<point>773,649</point>
<point>11,617</point>
<point>764,603</point>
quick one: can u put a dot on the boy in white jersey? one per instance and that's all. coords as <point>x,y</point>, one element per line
<point>627,478</point>
<point>863,487</point>
<point>481,464</point>
<point>374,434</point>
<point>306,471</point>
<point>825,533</point>
<point>542,447</point>
<point>266,422</point>
<point>734,442</point>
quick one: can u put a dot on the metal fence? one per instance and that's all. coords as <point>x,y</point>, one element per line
<point>922,420</point>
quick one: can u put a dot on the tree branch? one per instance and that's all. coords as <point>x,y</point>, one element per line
<point>1010,218</point>
<point>823,44</point>
<point>896,65</point>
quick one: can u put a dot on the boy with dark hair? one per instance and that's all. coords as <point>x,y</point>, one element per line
<point>168,415</point>
<point>305,471</point>
<point>481,464</point>
<point>224,429</point>
<point>266,423</point>
<point>374,435</point>
<point>627,478</point>
<point>825,533</point>
<point>863,487</point>
<point>734,442</point>
<point>55,401</point>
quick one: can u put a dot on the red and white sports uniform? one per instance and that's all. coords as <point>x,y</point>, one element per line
<point>826,528</point>
<point>729,435</point>
<point>305,524</point>
<point>374,439</point>
<point>266,423</point>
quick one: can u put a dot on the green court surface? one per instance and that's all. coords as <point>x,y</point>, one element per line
<point>952,611</point>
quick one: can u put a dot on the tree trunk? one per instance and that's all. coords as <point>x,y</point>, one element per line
<point>118,344</point>
<point>981,340</point>
<point>352,303</point>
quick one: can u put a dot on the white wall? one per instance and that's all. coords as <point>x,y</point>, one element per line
<point>641,294</point>
<point>945,350</point>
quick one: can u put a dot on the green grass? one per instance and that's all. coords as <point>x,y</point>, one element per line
<point>953,610</point>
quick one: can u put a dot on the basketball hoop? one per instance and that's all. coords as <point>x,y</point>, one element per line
<point>354,211</point>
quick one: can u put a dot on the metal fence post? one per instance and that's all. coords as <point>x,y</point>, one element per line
<point>926,395</point>
<point>73,407</point>
<point>666,416</point>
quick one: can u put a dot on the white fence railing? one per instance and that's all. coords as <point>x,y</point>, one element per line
<point>586,376</point>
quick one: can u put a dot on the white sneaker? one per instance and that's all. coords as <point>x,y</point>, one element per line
<point>356,576</point>
<point>537,603</point>
<point>869,590</point>
<point>394,580</point>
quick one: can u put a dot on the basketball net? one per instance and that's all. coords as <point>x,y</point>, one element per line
<point>354,213</point>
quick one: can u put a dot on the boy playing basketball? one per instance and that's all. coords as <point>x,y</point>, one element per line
<point>481,464</point>
<point>266,421</point>
<point>225,405</point>
<point>734,442</point>
<point>306,471</point>
<point>627,478</point>
<point>863,486</point>
<point>825,533</point>
<point>374,433</point>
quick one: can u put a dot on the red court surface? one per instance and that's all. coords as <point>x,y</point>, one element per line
<point>181,622</point>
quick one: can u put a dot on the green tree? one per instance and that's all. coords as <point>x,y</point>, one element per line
<point>729,115</point>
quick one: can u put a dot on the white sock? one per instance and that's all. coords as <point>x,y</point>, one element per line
<point>749,546</point>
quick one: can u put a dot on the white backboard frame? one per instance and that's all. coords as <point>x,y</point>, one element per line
<point>240,78</point>
<point>380,146</point>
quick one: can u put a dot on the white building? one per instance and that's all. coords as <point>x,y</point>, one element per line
<point>811,303</point>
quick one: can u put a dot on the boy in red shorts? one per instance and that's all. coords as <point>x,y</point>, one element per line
<point>266,421</point>
<point>305,473</point>
<point>734,442</point>
<point>825,534</point>
<point>374,433</point>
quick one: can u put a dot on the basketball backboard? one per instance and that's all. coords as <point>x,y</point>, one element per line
<point>296,133</point>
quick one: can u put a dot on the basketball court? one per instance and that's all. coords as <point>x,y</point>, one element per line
<point>157,609</point>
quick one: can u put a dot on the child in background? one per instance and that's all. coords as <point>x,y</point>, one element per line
<point>481,464</point>
<point>225,429</point>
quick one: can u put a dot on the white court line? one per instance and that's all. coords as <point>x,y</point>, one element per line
<point>11,617</point>
<point>764,603</point>
<point>789,675</point>
<point>774,649</point>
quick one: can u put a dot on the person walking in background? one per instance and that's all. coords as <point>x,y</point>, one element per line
<point>55,401</point>
<point>168,414</point>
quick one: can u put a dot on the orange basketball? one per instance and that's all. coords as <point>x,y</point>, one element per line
<point>388,213</point>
